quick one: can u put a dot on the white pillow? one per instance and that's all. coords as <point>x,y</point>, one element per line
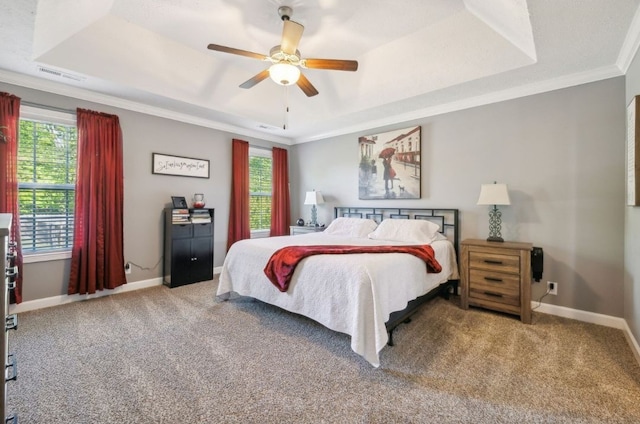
<point>351,227</point>
<point>419,231</point>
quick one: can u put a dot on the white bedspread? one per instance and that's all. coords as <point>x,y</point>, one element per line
<point>352,294</point>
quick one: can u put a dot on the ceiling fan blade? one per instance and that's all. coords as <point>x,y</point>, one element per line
<point>331,64</point>
<point>239,52</point>
<point>255,79</point>
<point>306,86</point>
<point>291,34</point>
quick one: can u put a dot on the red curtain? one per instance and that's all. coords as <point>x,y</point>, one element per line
<point>280,205</point>
<point>239,211</point>
<point>9,124</point>
<point>97,259</point>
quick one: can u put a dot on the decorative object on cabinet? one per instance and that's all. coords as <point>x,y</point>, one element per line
<point>188,246</point>
<point>198,200</point>
<point>300,222</point>
<point>178,202</point>
<point>7,261</point>
<point>633,146</point>
<point>179,166</point>
<point>314,198</point>
<point>389,165</point>
<point>497,276</point>
<point>494,194</point>
<point>305,229</point>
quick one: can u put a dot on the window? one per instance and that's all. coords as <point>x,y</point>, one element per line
<point>47,155</point>
<point>260,172</point>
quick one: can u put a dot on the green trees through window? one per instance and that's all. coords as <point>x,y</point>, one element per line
<point>47,156</point>
<point>260,172</point>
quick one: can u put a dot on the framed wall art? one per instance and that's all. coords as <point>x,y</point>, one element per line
<point>633,146</point>
<point>179,166</point>
<point>389,165</point>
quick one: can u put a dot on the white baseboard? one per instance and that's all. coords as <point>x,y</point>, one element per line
<point>593,318</point>
<point>545,308</point>
<point>47,302</point>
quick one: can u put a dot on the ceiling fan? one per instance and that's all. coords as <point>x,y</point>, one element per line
<point>286,59</point>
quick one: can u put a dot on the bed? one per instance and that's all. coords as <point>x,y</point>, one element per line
<point>364,295</point>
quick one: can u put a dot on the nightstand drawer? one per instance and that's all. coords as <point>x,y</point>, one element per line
<point>502,288</point>
<point>494,262</point>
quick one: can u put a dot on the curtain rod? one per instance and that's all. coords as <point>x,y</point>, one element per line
<point>53,108</point>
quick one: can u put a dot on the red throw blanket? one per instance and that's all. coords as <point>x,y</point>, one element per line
<point>283,262</point>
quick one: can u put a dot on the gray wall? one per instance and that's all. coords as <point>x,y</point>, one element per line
<point>632,229</point>
<point>146,194</point>
<point>562,155</point>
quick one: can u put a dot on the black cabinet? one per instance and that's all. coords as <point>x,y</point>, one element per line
<point>188,246</point>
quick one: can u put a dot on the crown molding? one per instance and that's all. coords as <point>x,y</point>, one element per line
<point>630,45</point>
<point>91,96</point>
<point>482,100</point>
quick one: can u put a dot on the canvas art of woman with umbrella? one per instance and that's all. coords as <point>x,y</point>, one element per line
<point>389,173</point>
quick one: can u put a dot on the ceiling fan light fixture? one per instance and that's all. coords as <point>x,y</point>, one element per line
<point>284,73</point>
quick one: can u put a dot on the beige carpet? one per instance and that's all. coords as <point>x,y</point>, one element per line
<point>164,355</point>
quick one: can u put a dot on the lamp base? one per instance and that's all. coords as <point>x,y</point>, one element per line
<point>496,239</point>
<point>314,216</point>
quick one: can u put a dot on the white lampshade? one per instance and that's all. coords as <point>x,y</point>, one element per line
<point>284,73</point>
<point>494,194</point>
<point>313,198</point>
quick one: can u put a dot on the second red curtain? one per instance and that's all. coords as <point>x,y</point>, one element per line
<point>239,227</point>
<point>97,258</point>
<point>280,204</point>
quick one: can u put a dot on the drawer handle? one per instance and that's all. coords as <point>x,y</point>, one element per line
<point>497,280</point>
<point>11,322</point>
<point>11,259</point>
<point>488,293</point>
<point>492,262</point>
<point>11,273</point>
<point>13,365</point>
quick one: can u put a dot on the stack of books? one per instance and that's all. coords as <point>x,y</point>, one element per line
<point>199,216</point>
<point>180,216</point>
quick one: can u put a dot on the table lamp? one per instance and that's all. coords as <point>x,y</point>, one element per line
<point>314,198</point>
<point>494,194</point>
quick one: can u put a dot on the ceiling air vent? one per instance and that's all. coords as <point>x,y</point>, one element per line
<point>60,74</point>
<point>267,127</point>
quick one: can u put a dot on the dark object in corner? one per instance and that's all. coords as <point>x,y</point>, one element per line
<point>537,259</point>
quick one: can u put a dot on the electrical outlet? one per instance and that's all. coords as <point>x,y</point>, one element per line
<point>127,268</point>
<point>552,287</point>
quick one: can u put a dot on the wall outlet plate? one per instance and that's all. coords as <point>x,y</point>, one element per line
<point>552,287</point>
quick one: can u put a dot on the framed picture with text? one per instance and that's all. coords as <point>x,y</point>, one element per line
<point>179,166</point>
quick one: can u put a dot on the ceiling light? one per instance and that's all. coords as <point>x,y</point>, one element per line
<point>284,73</point>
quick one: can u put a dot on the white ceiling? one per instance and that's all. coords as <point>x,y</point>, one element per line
<point>416,57</point>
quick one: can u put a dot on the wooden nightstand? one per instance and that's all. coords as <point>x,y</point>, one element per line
<point>304,229</point>
<point>497,276</point>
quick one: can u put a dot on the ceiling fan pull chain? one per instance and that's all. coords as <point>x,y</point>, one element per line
<point>286,107</point>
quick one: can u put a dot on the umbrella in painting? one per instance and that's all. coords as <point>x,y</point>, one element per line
<point>387,153</point>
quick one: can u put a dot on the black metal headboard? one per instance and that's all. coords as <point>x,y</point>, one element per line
<point>447,219</point>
